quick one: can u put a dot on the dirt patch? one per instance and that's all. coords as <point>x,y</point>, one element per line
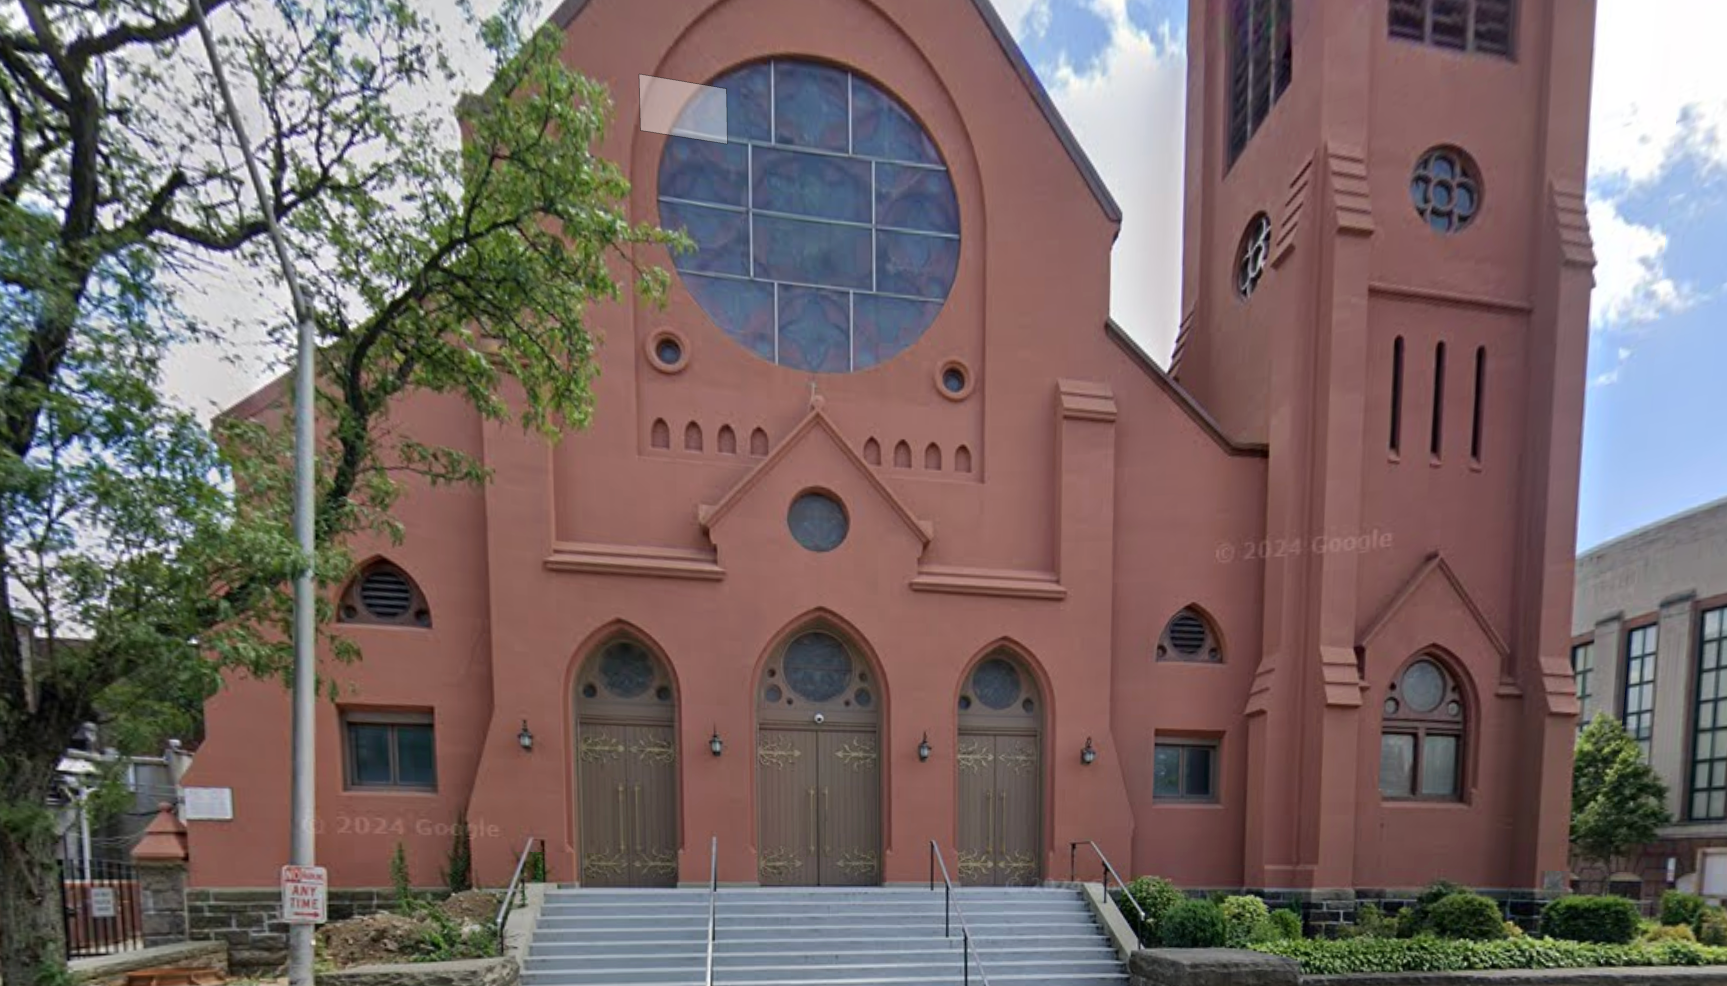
<point>371,938</point>
<point>472,907</point>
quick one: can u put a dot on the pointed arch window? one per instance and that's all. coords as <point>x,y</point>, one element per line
<point>1189,636</point>
<point>1261,61</point>
<point>1485,27</point>
<point>1421,739</point>
<point>384,595</point>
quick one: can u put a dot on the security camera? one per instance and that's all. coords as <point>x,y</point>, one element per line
<point>820,718</point>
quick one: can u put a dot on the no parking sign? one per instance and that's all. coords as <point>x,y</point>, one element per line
<point>304,894</point>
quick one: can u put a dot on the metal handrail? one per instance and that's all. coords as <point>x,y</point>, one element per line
<point>1108,873</point>
<point>713,894</point>
<point>949,908</point>
<point>515,887</point>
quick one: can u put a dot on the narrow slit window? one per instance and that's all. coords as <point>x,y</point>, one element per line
<point>1480,386</point>
<point>1397,395</point>
<point>1437,440</point>
<point>1262,60</point>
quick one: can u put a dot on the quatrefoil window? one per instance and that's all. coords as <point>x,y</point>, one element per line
<point>1255,255</point>
<point>1446,189</point>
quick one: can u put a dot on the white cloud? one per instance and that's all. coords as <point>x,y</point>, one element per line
<point>1606,379</point>
<point>1016,14</point>
<point>1129,116</point>
<point>1631,283</point>
<point>1657,97</point>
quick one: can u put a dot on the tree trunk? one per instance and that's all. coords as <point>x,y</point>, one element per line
<point>32,924</point>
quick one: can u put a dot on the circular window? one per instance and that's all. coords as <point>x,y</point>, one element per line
<point>626,669</point>
<point>1446,189</point>
<point>1254,255</point>
<point>1423,687</point>
<point>669,351</point>
<point>826,227</point>
<point>818,667</point>
<point>818,522</point>
<point>996,684</point>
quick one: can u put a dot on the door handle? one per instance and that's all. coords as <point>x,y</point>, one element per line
<point>827,847</point>
<point>1003,849</point>
<point>623,826</point>
<point>641,833</point>
<point>812,821</point>
<point>989,818</point>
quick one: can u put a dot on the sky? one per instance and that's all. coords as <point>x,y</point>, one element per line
<point>1655,424</point>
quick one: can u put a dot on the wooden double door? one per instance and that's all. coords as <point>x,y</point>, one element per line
<point>819,805</point>
<point>627,799</point>
<point>1000,808</point>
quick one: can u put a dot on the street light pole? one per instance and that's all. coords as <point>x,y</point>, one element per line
<point>302,846</point>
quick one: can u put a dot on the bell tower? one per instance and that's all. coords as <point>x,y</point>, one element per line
<point>1386,281</point>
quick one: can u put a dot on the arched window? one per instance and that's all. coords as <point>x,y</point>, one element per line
<point>1188,636</point>
<point>1421,740</point>
<point>383,594</point>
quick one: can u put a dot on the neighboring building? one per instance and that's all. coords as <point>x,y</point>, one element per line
<point>883,474</point>
<point>1649,647</point>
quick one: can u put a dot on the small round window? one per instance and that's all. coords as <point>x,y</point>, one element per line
<point>1254,255</point>
<point>626,669</point>
<point>818,522</point>
<point>1446,189</point>
<point>818,667</point>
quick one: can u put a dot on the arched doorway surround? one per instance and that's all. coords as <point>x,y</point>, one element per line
<point>626,766</point>
<point>819,762</point>
<point>1000,763</point>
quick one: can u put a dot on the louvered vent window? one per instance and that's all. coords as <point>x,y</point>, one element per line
<point>1261,61</point>
<point>384,594</point>
<point>1188,637</point>
<point>1480,26</point>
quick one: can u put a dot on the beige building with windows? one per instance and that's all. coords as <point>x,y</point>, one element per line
<point>1649,645</point>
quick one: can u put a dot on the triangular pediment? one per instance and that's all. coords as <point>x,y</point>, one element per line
<point>1436,572</point>
<point>815,427</point>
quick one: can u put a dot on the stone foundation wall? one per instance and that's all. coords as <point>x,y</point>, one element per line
<point>250,920</point>
<point>1323,911</point>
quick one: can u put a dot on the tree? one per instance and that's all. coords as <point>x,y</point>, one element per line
<point>1618,802</point>
<point>432,268</point>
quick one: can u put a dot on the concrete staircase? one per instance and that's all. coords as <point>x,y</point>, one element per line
<point>809,936</point>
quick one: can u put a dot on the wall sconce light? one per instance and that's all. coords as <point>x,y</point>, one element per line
<point>526,737</point>
<point>923,749</point>
<point>716,745</point>
<point>1088,756</point>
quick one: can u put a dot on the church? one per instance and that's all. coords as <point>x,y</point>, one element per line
<point>884,534</point>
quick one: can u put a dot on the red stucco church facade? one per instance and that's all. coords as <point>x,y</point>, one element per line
<point>883,533</point>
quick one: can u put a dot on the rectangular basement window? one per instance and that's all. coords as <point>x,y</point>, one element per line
<point>1185,770</point>
<point>389,751</point>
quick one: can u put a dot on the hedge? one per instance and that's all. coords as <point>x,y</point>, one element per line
<point>1332,957</point>
<point>1606,920</point>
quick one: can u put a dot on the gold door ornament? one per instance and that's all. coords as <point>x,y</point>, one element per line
<point>1020,759</point>
<point>1017,867</point>
<point>779,753</point>
<point>975,756</point>
<point>857,864</point>
<point>975,866</point>
<point>776,864</point>
<point>658,751</point>
<point>603,865</point>
<point>601,748</point>
<point>857,754</point>
<point>663,862</point>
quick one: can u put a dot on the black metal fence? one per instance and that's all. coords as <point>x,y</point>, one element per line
<point>103,906</point>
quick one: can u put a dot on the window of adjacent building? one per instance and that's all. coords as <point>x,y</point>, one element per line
<point>1185,770</point>
<point>1421,740</point>
<point>1709,746</point>
<point>1261,60</point>
<point>1640,685</point>
<point>1481,26</point>
<point>390,750</point>
<point>1583,669</point>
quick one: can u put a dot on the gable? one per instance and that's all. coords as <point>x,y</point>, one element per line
<point>567,12</point>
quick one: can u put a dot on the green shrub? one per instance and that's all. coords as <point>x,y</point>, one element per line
<point>1668,932</point>
<point>1194,924</point>
<point>1247,920</point>
<point>1678,907</point>
<point>1467,916</point>
<point>1604,919</point>
<point>399,878</point>
<point>1287,921</point>
<point>445,939</point>
<point>1157,897</point>
<point>1412,920</point>
<point>1712,926</point>
<point>1513,929</point>
<point>1326,957</point>
<point>460,875</point>
<point>1370,922</point>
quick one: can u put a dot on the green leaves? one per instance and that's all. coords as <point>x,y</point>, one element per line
<point>1617,800</point>
<point>1333,957</point>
